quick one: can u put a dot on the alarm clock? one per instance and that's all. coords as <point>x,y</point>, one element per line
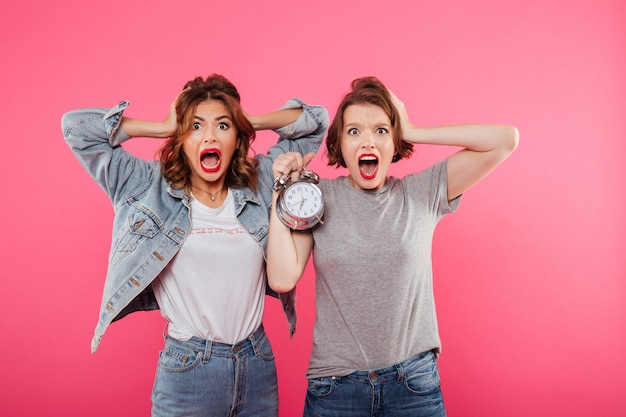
<point>300,204</point>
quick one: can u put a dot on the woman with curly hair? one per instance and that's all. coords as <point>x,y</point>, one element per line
<point>190,235</point>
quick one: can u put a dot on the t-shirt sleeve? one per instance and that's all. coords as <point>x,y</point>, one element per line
<point>432,185</point>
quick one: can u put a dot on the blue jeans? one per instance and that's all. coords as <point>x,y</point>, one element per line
<point>200,377</point>
<point>410,388</point>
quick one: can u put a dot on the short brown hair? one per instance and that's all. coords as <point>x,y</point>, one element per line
<point>366,90</point>
<point>175,167</point>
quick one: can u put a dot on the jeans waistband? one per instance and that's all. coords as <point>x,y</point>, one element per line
<point>210,347</point>
<point>398,370</point>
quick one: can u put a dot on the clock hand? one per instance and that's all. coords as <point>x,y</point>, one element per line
<point>304,200</point>
<point>301,201</point>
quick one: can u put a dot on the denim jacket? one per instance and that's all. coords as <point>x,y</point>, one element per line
<point>152,219</point>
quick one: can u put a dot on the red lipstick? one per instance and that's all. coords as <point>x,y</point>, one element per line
<point>368,166</point>
<point>210,159</point>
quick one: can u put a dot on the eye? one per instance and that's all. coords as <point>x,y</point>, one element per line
<point>382,131</point>
<point>353,131</point>
<point>196,126</point>
<point>223,126</point>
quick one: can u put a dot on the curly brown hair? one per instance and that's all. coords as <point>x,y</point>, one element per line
<point>366,90</point>
<point>174,165</point>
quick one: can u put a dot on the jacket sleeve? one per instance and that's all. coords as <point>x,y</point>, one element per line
<point>95,137</point>
<point>304,135</point>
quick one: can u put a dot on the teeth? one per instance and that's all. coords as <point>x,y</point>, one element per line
<point>368,158</point>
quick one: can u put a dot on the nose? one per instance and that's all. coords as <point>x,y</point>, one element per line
<point>367,141</point>
<point>209,136</point>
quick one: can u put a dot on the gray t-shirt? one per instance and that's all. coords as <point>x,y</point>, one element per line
<point>372,256</point>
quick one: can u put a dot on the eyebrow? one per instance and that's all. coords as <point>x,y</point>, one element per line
<point>218,118</point>
<point>359,124</point>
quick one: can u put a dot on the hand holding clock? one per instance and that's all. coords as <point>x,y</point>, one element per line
<point>291,163</point>
<point>299,204</point>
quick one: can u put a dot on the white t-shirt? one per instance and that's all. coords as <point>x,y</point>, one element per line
<point>214,288</point>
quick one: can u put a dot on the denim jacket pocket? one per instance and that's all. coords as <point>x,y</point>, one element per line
<point>138,228</point>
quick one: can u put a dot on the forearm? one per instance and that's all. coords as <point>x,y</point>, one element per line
<point>485,146</point>
<point>143,128</point>
<point>474,137</point>
<point>287,254</point>
<point>274,120</point>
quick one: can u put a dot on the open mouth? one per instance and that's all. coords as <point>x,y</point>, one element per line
<point>210,160</point>
<point>368,166</point>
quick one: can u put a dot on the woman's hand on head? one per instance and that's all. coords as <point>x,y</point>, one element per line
<point>151,129</point>
<point>405,123</point>
<point>170,123</point>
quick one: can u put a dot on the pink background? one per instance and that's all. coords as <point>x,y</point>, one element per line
<point>530,272</point>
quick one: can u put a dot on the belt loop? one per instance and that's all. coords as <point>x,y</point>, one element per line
<point>207,350</point>
<point>400,371</point>
<point>254,341</point>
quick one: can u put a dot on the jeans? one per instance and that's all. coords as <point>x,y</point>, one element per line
<point>200,377</point>
<point>410,388</point>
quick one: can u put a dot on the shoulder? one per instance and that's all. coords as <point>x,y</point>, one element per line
<point>431,174</point>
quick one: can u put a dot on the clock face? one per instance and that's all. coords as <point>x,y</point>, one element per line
<point>303,200</point>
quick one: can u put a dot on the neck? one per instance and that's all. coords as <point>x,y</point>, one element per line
<point>212,195</point>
